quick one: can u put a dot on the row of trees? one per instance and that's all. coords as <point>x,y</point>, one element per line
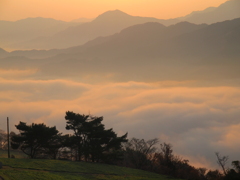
<point>90,141</point>
<point>145,155</point>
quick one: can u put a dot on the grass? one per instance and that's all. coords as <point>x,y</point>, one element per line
<point>42,169</point>
<point>16,153</point>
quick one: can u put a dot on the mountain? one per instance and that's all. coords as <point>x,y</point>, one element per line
<point>226,11</point>
<point>32,54</point>
<point>42,33</point>
<point>82,20</point>
<point>149,52</point>
<point>27,29</point>
<point>3,53</point>
<point>182,51</point>
<point>144,52</point>
<point>18,62</point>
<point>144,29</point>
<point>105,24</point>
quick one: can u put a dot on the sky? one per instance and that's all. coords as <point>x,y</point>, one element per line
<point>67,10</point>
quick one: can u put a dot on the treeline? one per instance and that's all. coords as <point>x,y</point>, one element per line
<point>146,155</point>
<point>91,142</point>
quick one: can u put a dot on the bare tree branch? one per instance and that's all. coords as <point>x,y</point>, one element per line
<point>222,161</point>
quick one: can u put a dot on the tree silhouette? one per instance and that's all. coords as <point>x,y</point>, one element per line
<point>33,138</point>
<point>138,151</point>
<point>234,173</point>
<point>55,143</point>
<point>222,161</point>
<point>93,141</point>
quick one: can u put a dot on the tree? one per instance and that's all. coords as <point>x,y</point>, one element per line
<point>34,138</point>
<point>164,161</point>
<point>77,123</point>
<point>103,144</point>
<point>167,155</point>
<point>222,161</point>
<point>233,174</point>
<point>214,175</point>
<point>55,143</point>
<point>236,166</point>
<point>137,152</point>
<point>92,140</point>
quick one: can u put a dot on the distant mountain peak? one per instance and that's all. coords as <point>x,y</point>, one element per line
<point>114,12</point>
<point>226,11</point>
<point>111,15</point>
<point>3,53</point>
<point>38,19</point>
<point>209,9</point>
<point>230,2</point>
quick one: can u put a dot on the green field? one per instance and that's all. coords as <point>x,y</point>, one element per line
<point>56,169</point>
<point>22,168</point>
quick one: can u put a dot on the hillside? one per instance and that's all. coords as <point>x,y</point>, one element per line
<point>41,169</point>
<point>3,53</point>
<point>30,28</point>
<point>106,24</point>
<point>44,33</point>
<point>226,11</point>
<point>176,52</point>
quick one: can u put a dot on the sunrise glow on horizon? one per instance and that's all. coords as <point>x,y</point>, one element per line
<point>73,9</point>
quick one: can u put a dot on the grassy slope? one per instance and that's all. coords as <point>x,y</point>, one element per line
<point>55,169</point>
<point>22,168</point>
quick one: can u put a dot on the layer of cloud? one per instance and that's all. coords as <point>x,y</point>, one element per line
<point>16,73</point>
<point>197,121</point>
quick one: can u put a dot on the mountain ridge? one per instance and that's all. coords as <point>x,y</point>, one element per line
<point>107,23</point>
<point>29,28</point>
<point>226,11</point>
<point>149,51</point>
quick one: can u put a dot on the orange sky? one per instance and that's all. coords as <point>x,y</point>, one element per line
<point>68,10</point>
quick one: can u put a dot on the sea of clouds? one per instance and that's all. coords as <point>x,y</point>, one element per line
<point>197,120</point>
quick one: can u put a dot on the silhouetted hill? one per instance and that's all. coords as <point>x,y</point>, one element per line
<point>105,24</point>
<point>18,62</point>
<point>152,51</point>
<point>38,54</point>
<point>3,53</point>
<point>147,36</point>
<point>27,29</point>
<point>183,51</point>
<point>226,11</point>
<point>42,33</point>
<point>143,31</point>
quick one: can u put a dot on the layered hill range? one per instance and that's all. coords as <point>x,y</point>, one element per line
<point>143,52</point>
<point>41,33</point>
